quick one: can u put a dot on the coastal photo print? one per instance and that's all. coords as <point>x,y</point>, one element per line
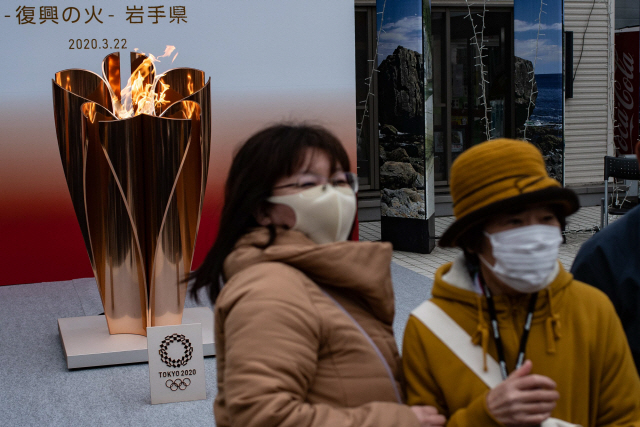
<point>401,107</point>
<point>538,62</point>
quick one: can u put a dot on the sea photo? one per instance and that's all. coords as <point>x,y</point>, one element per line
<point>401,109</point>
<point>538,74</point>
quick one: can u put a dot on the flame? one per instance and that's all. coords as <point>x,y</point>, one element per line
<point>190,109</point>
<point>161,98</point>
<point>190,84</point>
<point>91,112</point>
<point>139,97</point>
<point>168,51</point>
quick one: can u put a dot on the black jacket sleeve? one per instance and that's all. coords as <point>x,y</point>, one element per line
<point>610,262</point>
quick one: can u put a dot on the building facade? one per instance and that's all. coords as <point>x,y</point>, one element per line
<point>574,132</point>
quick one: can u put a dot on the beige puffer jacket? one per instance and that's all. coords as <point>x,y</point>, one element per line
<point>288,355</point>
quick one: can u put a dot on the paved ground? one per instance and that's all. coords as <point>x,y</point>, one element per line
<point>580,226</point>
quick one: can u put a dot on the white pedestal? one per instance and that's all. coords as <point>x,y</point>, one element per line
<point>87,343</point>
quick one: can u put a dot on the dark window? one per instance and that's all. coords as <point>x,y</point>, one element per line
<point>366,107</point>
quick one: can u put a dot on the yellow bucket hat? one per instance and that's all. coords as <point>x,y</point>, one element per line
<point>499,175</point>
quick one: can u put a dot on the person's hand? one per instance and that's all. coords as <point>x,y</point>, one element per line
<point>523,399</point>
<point>428,416</point>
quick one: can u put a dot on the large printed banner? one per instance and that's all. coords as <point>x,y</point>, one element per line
<point>405,123</point>
<point>268,61</point>
<point>538,79</point>
<point>404,176</point>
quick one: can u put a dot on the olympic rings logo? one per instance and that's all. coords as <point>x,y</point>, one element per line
<point>175,363</point>
<point>178,384</point>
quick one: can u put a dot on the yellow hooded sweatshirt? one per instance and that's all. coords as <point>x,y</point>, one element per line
<point>576,339</point>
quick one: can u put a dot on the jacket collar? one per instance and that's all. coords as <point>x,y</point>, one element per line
<point>454,284</point>
<point>363,268</point>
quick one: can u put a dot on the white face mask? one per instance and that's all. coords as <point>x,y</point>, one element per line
<point>526,257</point>
<point>324,213</point>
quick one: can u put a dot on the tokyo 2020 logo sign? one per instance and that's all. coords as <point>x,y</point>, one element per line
<point>164,355</point>
<point>178,384</point>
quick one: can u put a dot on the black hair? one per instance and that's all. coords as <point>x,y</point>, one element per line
<point>273,153</point>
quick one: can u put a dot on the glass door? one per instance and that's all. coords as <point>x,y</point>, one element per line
<point>459,110</point>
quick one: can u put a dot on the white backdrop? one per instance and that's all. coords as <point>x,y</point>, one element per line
<point>269,60</point>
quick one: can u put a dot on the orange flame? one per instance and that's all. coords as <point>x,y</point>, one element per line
<point>161,99</point>
<point>139,97</point>
<point>190,109</point>
<point>91,112</point>
<point>190,84</point>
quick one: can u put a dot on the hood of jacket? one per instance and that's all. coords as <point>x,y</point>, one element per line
<point>363,268</point>
<point>453,285</point>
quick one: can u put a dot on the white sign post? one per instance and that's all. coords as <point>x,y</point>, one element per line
<point>176,363</point>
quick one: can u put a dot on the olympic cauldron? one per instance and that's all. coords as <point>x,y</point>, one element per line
<point>137,181</point>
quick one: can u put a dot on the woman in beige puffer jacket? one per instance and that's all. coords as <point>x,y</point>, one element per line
<point>303,323</point>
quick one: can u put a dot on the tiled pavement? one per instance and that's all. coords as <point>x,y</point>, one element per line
<point>580,226</point>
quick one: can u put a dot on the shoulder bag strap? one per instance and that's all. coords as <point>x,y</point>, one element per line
<point>459,342</point>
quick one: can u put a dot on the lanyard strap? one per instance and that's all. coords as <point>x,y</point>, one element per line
<point>496,330</point>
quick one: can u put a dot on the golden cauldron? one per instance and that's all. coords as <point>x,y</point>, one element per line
<point>137,184</point>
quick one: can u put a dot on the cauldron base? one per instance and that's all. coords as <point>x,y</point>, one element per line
<point>87,343</point>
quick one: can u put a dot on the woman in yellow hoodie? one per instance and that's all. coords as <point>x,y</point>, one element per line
<point>509,338</point>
